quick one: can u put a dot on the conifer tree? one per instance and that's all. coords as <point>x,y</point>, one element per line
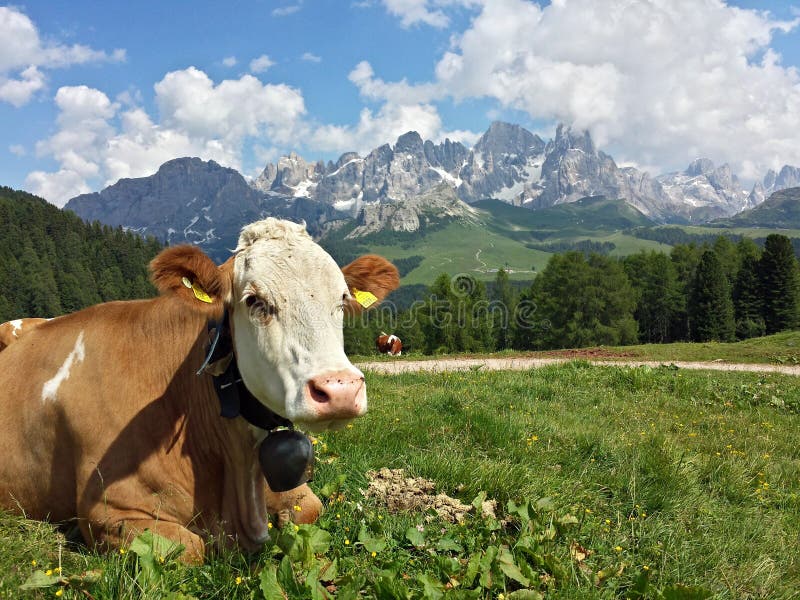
<point>747,294</point>
<point>779,284</point>
<point>502,305</point>
<point>710,306</point>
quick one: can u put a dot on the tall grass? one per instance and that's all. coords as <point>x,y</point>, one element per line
<point>682,478</point>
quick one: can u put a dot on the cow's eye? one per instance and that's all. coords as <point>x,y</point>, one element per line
<point>259,309</point>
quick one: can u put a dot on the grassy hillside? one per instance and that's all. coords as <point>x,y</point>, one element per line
<point>609,483</point>
<point>52,262</point>
<point>522,240</point>
<point>504,236</point>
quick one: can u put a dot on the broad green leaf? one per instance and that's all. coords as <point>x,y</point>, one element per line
<point>329,570</point>
<point>415,536</point>
<point>319,540</point>
<point>524,595</point>
<point>505,560</point>
<point>286,577</point>
<point>473,568</point>
<point>269,584</point>
<point>87,577</point>
<point>485,565</point>
<point>372,544</point>
<point>431,587</point>
<point>449,545</point>
<point>544,504</point>
<point>478,501</point>
<point>39,579</point>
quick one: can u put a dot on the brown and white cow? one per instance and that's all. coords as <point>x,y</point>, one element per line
<point>11,331</point>
<point>389,344</point>
<point>106,421</point>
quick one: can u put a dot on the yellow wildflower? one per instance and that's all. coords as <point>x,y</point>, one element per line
<point>618,548</point>
<point>59,592</point>
<point>238,581</point>
<point>33,562</point>
<point>297,508</point>
<point>269,525</point>
<point>347,542</point>
<point>374,554</point>
<point>48,572</point>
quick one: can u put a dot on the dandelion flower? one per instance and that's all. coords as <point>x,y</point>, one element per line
<point>238,581</point>
<point>33,562</point>
<point>59,592</point>
<point>269,525</point>
<point>347,542</point>
<point>374,554</point>
<point>48,572</point>
<point>618,548</point>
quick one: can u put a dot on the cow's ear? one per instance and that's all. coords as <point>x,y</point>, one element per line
<point>367,276</point>
<point>188,273</point>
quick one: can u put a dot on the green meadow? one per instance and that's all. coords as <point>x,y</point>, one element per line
<point>609,482</point>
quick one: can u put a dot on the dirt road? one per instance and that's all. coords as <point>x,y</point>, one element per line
<point>523,363</point>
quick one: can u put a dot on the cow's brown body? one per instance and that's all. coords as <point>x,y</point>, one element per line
<point>12,331</point>
<point>134,439</point>
<point>389,344</point>
<point>106,421</point>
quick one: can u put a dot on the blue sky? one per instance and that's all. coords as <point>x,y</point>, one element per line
<point>90,92</point>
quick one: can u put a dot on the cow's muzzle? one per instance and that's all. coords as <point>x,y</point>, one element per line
<point>337,394</point>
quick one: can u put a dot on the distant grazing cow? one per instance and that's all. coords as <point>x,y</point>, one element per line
<point>389,344</point>
<point>106,419</point>
<point>11,331</point>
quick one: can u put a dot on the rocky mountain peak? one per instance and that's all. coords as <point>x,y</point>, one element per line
<point>566,140</point>
<point>505,138</point>
<point>410,142</point>
<point>699,166</point>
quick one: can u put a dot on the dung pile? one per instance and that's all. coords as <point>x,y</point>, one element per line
<point>399,493</point>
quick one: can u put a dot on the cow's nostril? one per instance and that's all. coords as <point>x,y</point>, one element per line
<point>318,394</point>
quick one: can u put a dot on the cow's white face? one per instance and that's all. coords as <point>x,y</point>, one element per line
<point>287,313</point>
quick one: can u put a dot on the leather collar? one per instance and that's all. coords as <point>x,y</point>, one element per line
<point>234,398</point>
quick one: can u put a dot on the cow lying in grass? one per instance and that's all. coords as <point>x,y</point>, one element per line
<point>107,421</point>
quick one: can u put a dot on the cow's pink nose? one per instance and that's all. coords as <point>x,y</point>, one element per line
<point>338,394</point>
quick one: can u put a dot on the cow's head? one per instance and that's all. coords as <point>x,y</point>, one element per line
<point>286,297</point>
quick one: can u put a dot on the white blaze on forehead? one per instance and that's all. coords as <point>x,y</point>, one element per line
<point>16,325</point>
<point>50,388</point>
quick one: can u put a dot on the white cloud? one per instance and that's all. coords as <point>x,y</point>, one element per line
<point>18,92</point>
<point>285,11</point>
<point>17,150</point>
<point>412,12</point>
<point>99,141</point>
<point>400,92</point>
<point>261,64</point>
<point>426,12</point>
<point>310,57</point>
<point>229,61</point>
<point>657,82</point>
<point>23,56</point>
<point>390,122</point>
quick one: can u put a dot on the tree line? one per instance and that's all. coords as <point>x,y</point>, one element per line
<point>720,291</point>
<point>52,262</point>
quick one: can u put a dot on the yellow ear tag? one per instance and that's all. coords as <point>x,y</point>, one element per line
<point>200,294</point>
<point>365,299</point>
